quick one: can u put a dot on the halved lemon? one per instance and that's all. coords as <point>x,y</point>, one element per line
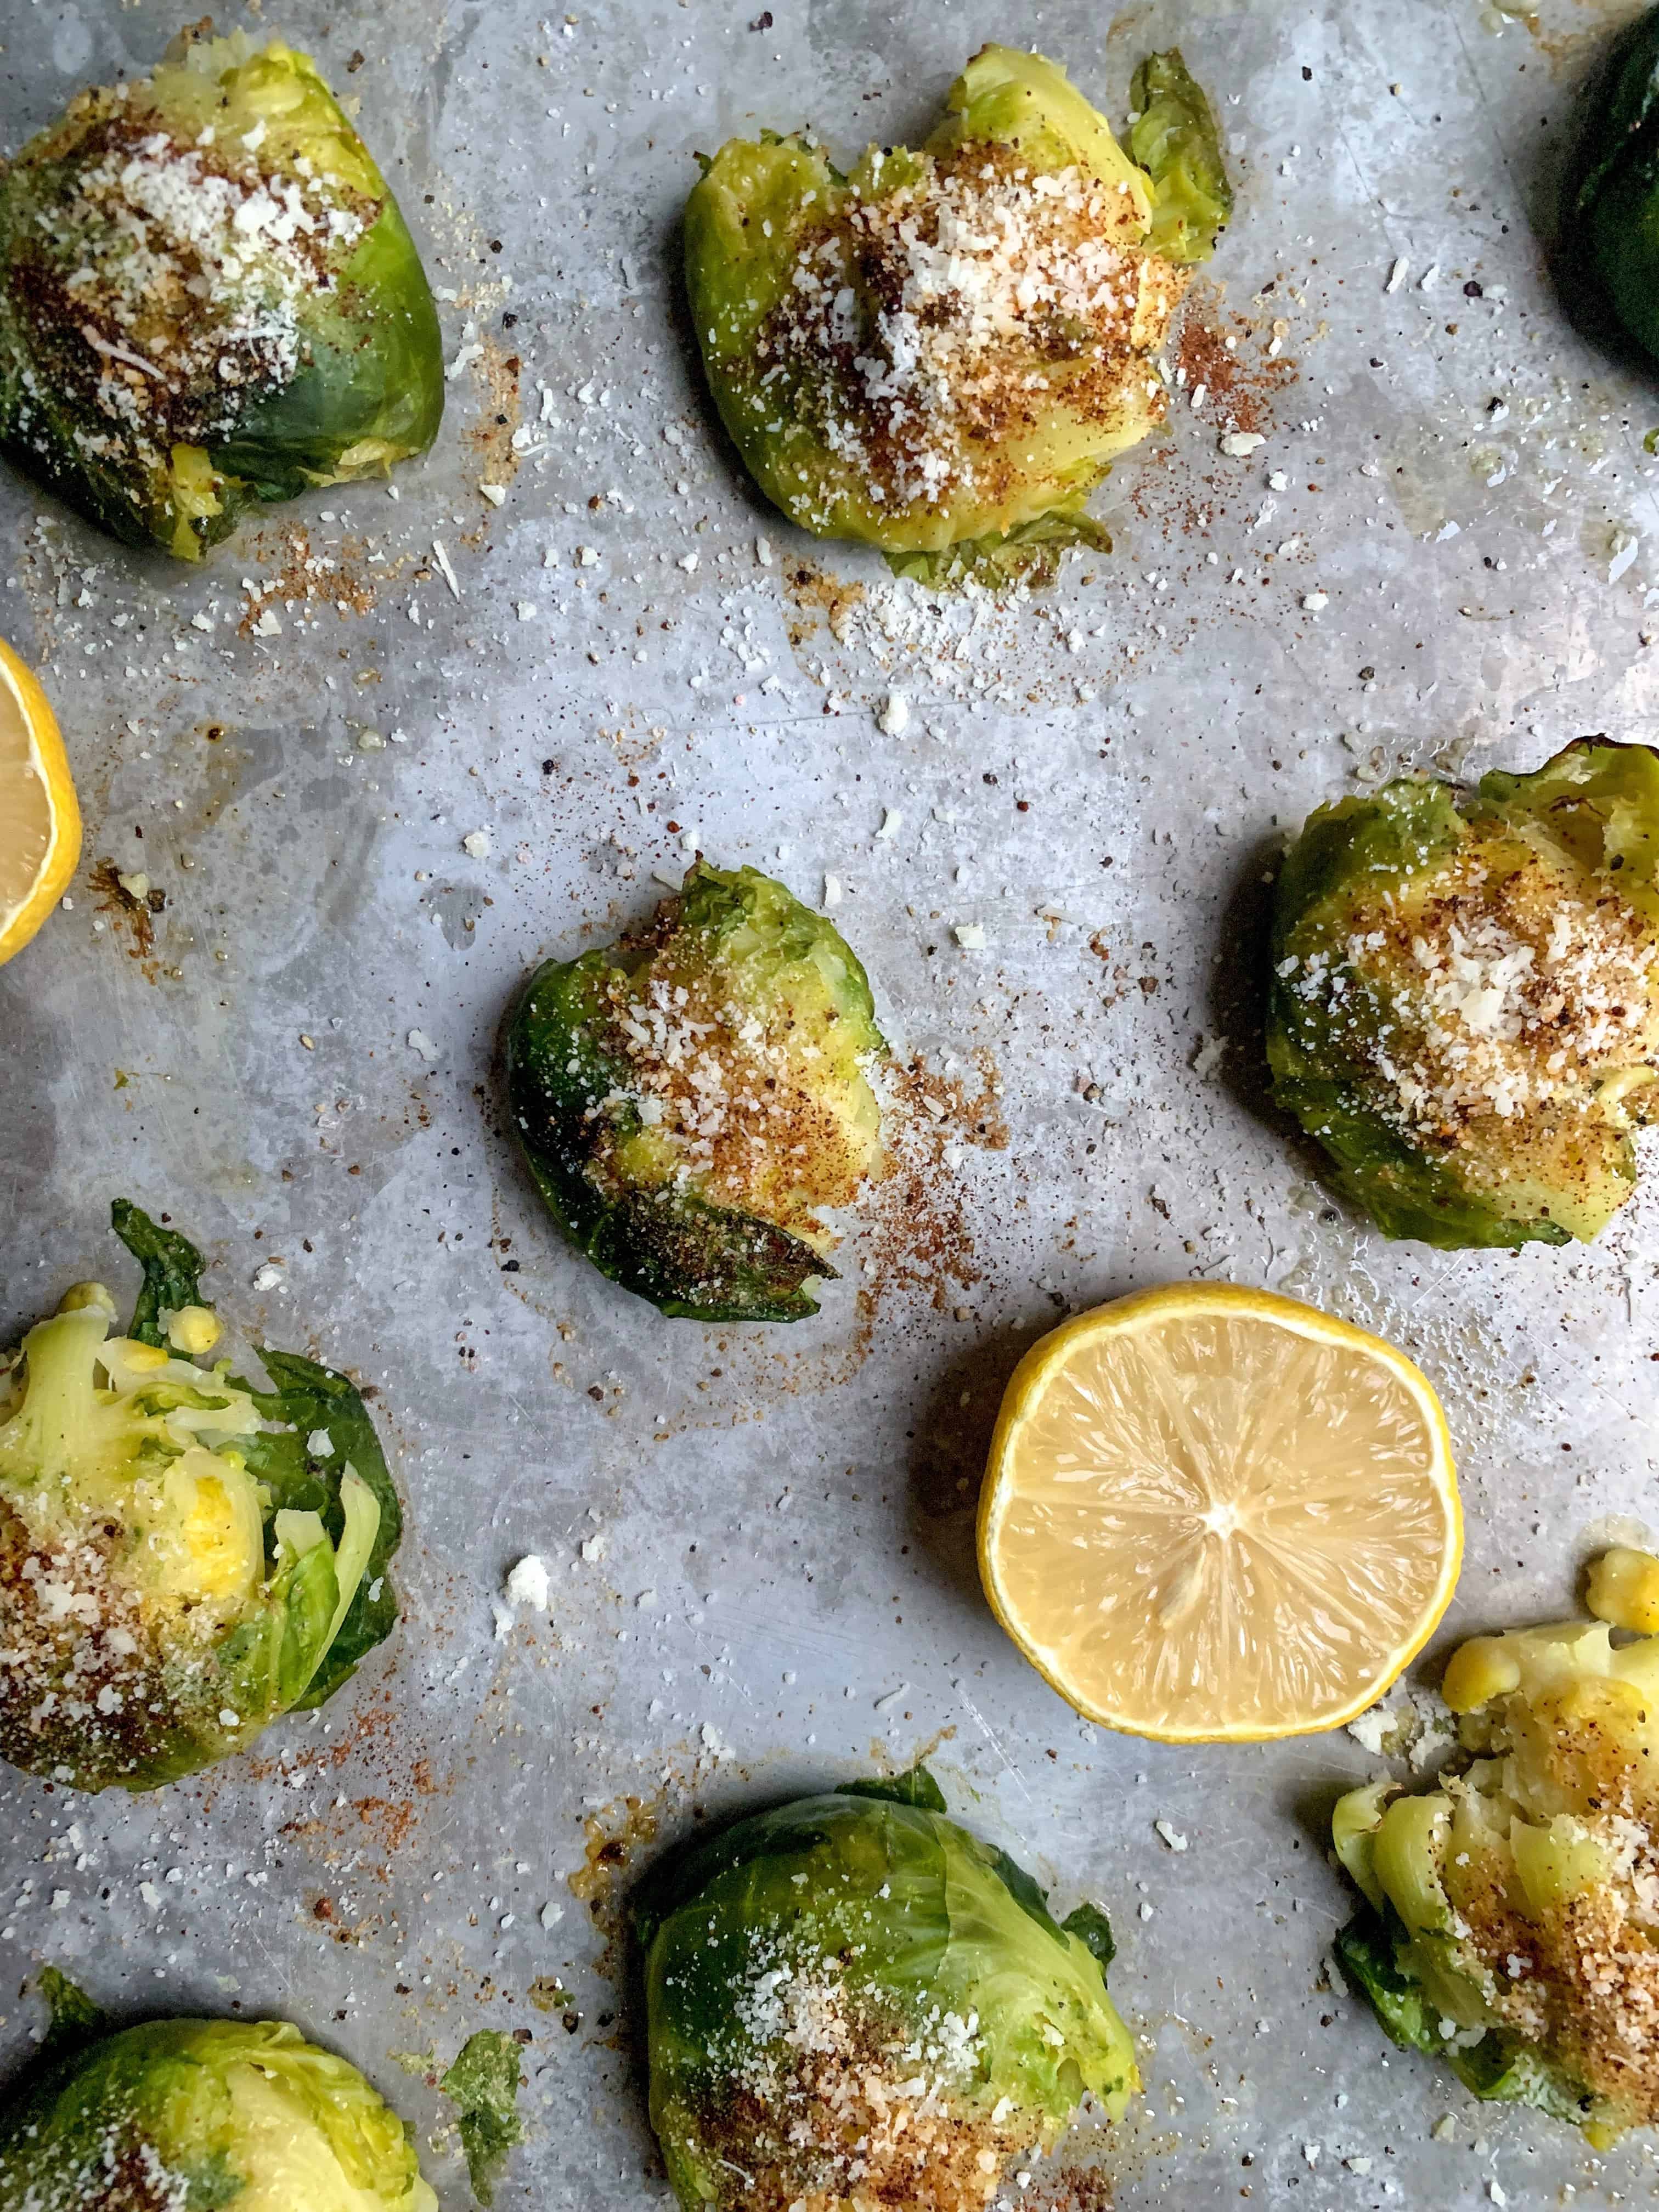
<point>40,820</point>
<point>1212,1515</point>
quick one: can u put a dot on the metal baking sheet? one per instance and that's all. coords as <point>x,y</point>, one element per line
<point>764,1577</point>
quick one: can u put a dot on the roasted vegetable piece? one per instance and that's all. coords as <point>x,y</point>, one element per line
<point>940,352</point>
<point>179,2113</point>
<point>183,1556</point>
<point>208,297</point>
<point>1609,243</point>
<point>1510,1914</point>
<point>1464,1007</point>
<point>852,2000</point>
<point>688,1100</point>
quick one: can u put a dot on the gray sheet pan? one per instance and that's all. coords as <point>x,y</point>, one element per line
<point>762,1563</point>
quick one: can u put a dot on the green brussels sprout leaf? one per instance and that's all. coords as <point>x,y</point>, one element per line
<point>309,1403</point>
<point>484,2081</point>
<point>1094,1930</point>
<point>918,1787</point>
<point>1174,138</point>
<point>620,1064</point>
<point>206,2113</point>
<point>172,1269</point>
<point>76,2020</point>
<point>1029,553</point>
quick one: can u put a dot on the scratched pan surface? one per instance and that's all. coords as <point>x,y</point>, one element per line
<point>760,1541</point>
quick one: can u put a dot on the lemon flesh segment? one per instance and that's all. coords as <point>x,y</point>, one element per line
<point>1213,1515</point>
<point>40,821</point>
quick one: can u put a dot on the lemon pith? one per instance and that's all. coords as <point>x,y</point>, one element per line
<point>40,820</point>
<point>1212,1514</point>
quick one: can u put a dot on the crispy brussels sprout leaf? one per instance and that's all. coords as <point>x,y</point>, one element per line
<point>918,1787</point>
<point>1610,233</point>
<point>172,1269</point>
<point>1464,1005</point>
<point>890,1919</point>
<point>1365,1952</point>
<point>483,2081</point>
<point>939,405</point>
<point>209,298</point>
<point>313,1401</point>
<point>189,2113</point>
<point>738,982</point>
<point>76,2020</point>
<point>1094,1931</point>
<point>1174,138</point>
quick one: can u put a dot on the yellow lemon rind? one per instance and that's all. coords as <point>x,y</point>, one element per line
<point>52,762</point>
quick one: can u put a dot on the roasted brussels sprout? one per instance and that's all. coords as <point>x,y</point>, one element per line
<point>177,2114</point>
<point>1464,1007</point>
<point>1610,246</point>
<point>1509,1916</point>
<point>183,1556</point>
<point>689,1099</point>
<point>851,1999</point>
<point>208,297</point>
<point>940,352</point>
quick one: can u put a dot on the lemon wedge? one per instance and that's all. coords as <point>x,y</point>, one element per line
<point>1212,1515</point>
<point>40,821</point>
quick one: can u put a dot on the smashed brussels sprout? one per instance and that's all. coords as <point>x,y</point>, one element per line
<point>941,351</point>
<point>208,297</point>
<point>689,1099</point>
<point>851,1999</point>
<point>1513,1912</point>
<point>1464,1007</point>
<point>183,1556</point>
<point>1610,235</point>
<point>179,2113</point>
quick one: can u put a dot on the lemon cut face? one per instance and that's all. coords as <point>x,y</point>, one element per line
<point>40,821</point>
<point>1215,1515</point>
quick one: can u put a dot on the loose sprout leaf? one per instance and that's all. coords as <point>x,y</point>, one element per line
<point>308,1398</point>
<point>1029,553</point>
<point>918,1787</point>
<point>1365,1952</point>
<point>1174,140</point>
<point>483,2081</point>
<point>172,1269</point>
<point>76,2020</point>
<point>1094,1930</point>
